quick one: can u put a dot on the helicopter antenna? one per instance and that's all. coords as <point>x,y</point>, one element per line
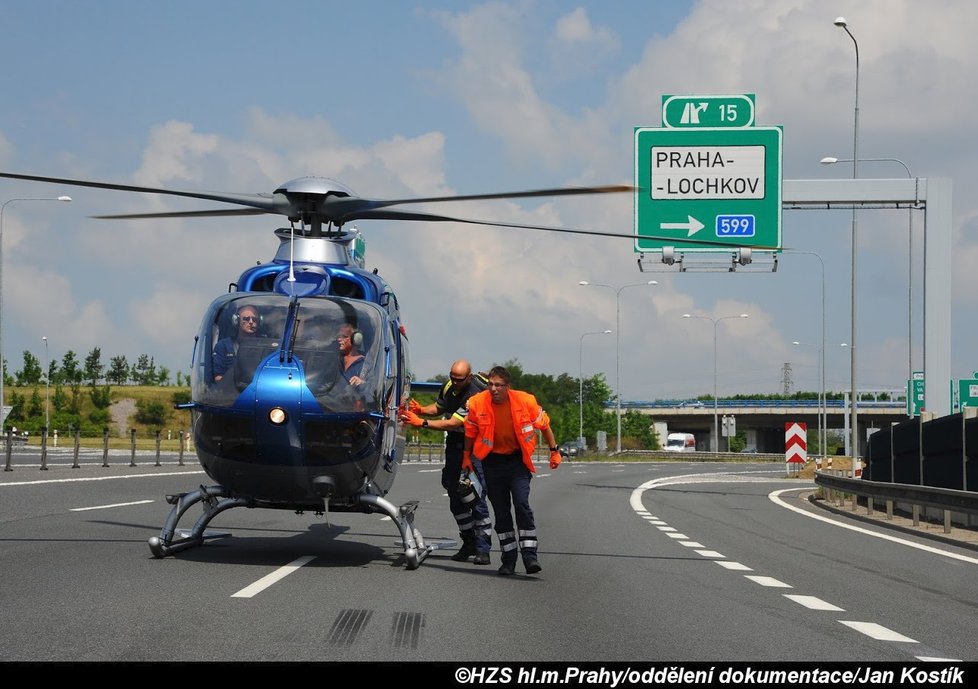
<point>291,279</point>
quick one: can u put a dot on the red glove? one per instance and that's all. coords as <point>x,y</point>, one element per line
<point>413,406</point>
<point>411,419</point>
<point>555,459</point>
<point>467,461</point>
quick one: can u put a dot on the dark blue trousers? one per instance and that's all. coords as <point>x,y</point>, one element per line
<point>508,484</point>
<point>474,524</point>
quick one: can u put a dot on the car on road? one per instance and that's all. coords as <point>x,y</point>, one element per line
<point>571,449</point>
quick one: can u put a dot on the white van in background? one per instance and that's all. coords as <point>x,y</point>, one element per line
<point>680,442</point>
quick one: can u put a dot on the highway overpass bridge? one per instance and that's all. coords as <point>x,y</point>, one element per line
<point>762,421</point>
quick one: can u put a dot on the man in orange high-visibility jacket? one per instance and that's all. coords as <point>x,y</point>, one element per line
<point>501,432</point>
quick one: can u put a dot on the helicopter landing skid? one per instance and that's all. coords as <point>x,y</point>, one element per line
<point>415,549</point>
<point>215,499</point>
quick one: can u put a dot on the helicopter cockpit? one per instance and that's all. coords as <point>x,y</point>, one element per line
<point>249,337</point>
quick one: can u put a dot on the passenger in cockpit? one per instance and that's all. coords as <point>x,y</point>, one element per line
<point>246,321</point>
<point>350,341</point>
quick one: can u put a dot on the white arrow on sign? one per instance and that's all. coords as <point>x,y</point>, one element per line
<point>693,225</point>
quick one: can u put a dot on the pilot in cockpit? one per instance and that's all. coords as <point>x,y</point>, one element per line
<point>246,322</point>
<point>350,341</point>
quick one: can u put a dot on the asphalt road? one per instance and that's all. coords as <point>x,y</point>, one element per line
<point>669,562</point>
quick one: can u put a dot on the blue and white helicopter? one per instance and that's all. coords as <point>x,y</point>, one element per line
<point>276,422</point>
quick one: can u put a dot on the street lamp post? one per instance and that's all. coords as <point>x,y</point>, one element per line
<point>618,346</point>
<point>47,384</point>
<point>853,426</point>
<point>831,161</point>
<point>3,207</point>
<point>580,365</point>
<point>716,418</point>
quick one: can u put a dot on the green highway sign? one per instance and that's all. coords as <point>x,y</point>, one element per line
<point>721,184</point>
<point>708,111</point>
<point>968,393</point>
<point>915,394</point>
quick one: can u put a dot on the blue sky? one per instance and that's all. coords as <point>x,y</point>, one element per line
<point>402,98</point>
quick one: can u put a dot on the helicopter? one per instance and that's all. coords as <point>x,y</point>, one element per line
<point>276,422</point>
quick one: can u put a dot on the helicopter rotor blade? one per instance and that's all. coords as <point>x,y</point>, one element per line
<point>532,193</point>
<point>272,203</point>
<point>184,214</point>
<point>382,214</point>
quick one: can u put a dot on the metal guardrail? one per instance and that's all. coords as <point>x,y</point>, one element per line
<point>947,500</point>
<point>754,404</point>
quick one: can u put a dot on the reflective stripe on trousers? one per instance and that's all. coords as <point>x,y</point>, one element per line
<point>508,484</point>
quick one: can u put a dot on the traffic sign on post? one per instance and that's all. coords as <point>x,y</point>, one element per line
<point>795,442</point>
<point>714,183</point>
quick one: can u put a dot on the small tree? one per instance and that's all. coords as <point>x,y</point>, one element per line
<point>31,373</point>
<point>118,370</point>
<point>151,413</point>
<point>93,366</point>
<point>101,396</point>
<point>60,401</point>
<point>70,371</point>
<point>36,407</point>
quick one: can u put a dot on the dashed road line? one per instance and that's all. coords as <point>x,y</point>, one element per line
<point>878,632</point>
<point>813,603</point>
<point>106,507</point>
<point>768,581</point>
<point>270,579</point>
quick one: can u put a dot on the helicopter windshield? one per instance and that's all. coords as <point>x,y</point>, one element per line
<point>336,344</point>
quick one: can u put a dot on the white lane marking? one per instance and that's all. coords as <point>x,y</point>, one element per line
<point>876,631</point>
<point>428,471</point>
<point>105,507</point>
<point>870,629</point>
<point>938,659</point>
<point>691,544</point>
<point>813,603</point>
<point>269,579</point>
<point>665,528</point>
<point>768,581</point>
<point>677,535</point>
<point>775,497</point>
<point>657,522</point>
<point>96,478</point>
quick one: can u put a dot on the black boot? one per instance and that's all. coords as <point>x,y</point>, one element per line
<point>467,550</point>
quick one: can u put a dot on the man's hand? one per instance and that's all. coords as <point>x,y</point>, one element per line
<point>467,461</point>
<point>411,419</point>
<point>413,406</point>
<point>555,459</point>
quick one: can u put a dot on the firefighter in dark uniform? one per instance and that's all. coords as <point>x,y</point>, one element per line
<point>474,523</point>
